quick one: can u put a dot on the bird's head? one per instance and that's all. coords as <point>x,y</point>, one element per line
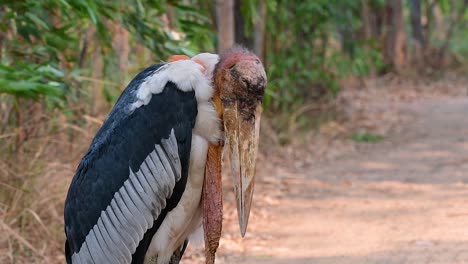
<point>240,79</point>
<point>240,76</point>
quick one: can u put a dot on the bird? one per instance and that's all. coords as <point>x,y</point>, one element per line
<point>142,188</point>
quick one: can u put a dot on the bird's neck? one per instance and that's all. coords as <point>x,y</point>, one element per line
<point>217,102</point>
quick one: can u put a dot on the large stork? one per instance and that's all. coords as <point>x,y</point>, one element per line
<point>151,176</point>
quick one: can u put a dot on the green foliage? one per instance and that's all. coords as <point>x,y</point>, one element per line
<point>142,18</point>
<point>32,81</point>
<point>459,45</point>
<point>459,42</point>
<point>42,41</point>
<point>29,67</point>
<point>309,51</point>
<point>366,137</point>
<point>309,45</point>
<point>198,29</point>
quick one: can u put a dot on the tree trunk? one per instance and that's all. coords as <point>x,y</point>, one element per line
<point>394,36</point>
<point>97,74</point>
<point>259,31</point>
<point>416,26</point>
<point>225,23</point>
<point>439,23</point>
<point>366,20</point>
<point>241,37</point>
<point>376,20</point>
<point>429,21</point>
<point>417,32</point>
<point>120,44</point>
<point>348,40</point>
<point>171,17</point>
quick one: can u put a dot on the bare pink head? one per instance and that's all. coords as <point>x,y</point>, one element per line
<point>240,80</point>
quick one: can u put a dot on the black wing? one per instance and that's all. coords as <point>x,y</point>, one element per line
<point>134,172</point>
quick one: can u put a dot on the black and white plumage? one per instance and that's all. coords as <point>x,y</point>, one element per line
<point>135,197</point>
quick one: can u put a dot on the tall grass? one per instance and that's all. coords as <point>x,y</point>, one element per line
<point>37,162</point>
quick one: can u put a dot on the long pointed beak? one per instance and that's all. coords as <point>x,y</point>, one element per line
<point>242,135</point>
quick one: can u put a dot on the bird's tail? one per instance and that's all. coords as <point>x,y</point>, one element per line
<point>67,252</point>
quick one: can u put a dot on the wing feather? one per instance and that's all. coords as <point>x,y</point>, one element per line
<point>126,225</point>
<point>114,239</point>
<point>133,174</point>
<point>97,253</point>
<point>170,148</point>
<point>157,169</point>
<point>147,197</point>
<point>123,233</point>
<point>103,245</point>
<point>139,205</point>
<point>130,213</point>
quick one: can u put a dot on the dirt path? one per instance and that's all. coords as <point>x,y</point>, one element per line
<point>403,200</point>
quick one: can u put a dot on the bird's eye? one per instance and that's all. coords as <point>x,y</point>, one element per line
<point>245,81</point>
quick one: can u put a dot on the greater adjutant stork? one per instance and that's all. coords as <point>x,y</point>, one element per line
<point>152,174</point>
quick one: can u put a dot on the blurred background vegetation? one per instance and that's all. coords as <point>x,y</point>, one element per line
<point>63,63</point>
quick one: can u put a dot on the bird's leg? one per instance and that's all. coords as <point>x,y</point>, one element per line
<point>212,202</point>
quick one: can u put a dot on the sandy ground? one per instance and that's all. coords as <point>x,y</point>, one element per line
<point>401,200</point>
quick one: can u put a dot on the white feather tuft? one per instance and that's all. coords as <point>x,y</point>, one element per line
<point>188,75</point>
<point>208,123</point>
<point>209,61</point>
<point>197,237</point>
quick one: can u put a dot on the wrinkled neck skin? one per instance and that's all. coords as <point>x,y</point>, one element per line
<point>212,200</point>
